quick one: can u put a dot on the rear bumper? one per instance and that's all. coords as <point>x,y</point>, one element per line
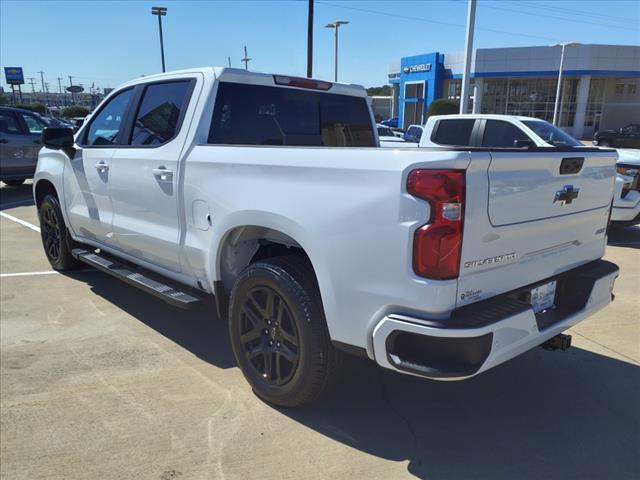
<point>480,336</point>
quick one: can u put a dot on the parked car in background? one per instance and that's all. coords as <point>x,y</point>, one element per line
<point>625,137</point>
<point>387,137</point>
<point>493,131</point>
<point>391,122</point>
<point>626,197</point>
<point>19,144</point>
<point>57,122</point>
<point>413,133</point>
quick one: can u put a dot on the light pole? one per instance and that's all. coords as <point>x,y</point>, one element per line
<point>558,88</point>
<point>336,25</point>
<point>468,52</point>
<point>160,12</point>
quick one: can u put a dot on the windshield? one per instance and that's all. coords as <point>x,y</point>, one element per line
<point>551,134</point>
<point>385,132</point>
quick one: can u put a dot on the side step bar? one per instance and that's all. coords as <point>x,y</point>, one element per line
<point>134,277</point>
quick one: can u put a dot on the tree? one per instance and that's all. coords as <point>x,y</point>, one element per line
<point>74,111</point>
<point>38,108</point>
<point>384,91</point>
<point>443,106</point>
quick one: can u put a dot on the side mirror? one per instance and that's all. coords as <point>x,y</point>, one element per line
<point>57,138</point>
<point>524,144</point>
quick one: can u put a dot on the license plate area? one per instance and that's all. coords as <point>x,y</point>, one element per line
<point>543,297</point>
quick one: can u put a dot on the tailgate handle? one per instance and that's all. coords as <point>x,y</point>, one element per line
<point>571,165</point>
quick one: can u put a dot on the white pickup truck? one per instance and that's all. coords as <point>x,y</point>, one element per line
<point>272,193</point>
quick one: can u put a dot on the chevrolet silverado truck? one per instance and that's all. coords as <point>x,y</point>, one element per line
<point>272,193</point>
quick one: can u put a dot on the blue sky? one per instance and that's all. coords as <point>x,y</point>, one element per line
<point>108,42</point>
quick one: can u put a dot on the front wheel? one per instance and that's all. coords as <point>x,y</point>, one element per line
<point>278,331</point>
<point>55,237</point>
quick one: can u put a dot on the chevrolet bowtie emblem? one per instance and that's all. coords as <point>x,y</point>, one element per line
<point>567,195</point>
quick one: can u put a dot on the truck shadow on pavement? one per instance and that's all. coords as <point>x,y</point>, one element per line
<point>564,415</point>
<point>628,237</point>
<point>12,197</point>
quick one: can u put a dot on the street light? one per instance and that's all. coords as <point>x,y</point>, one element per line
<point>555,107</point>
<point>336,25</point>
<point>160,12</point>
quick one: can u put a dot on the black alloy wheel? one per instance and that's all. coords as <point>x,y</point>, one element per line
<point>278,331</point>
<point>51,232</point>
<point>56,240</point>
<point>269,335</point>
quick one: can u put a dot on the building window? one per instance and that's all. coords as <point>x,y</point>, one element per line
<point>531,97</point>
<point>631,89</point>
<point>620,89</point>
<point>594,103</point>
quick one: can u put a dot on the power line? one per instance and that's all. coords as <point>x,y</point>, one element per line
<point>555,17</point>
<point>573,12</point>
<point>438,22</point>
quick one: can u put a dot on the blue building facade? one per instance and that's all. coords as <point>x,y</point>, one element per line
<point>600,88</point>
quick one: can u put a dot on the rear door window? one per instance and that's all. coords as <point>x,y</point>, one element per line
<point>263,115</point>
<point>499,134</point>
<point>455,132</point>
<point>160,113</point>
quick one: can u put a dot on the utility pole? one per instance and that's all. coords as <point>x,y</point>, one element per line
<point>310,41</point>
<point>246,59</point>
<point>336,25</point>
<point>160,12</point>
<point>45,100</point>
<point>59,84</point>
<point>468,53</point>
<point>229,58</point>
<point>73,96</point>
<point>32,82</point>
<point>60,90</point>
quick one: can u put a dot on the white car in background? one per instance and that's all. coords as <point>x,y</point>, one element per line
<point>388,138</point>
<point>626,200</point>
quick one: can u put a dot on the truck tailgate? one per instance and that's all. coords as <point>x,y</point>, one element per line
<point>531,186</point>
<point>526,221</point>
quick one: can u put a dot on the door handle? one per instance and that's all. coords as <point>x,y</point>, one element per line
<point>163,173</point>
<point>102,167</point>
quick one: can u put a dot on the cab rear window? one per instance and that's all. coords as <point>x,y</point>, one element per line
<point>262,115</point>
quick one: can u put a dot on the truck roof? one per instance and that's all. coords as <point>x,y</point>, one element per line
<point>487,116</point>
<point>244,76</point>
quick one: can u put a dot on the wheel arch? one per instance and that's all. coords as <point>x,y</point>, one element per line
<point>242,245</point>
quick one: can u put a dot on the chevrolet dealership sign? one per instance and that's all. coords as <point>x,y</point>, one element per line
<point>421,67</point>
<point>14,75</point>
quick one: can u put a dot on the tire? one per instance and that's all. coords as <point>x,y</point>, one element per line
<point>278,332</point>
<point>604,143</point>
<point>56,240</point>
<point>16,182</point>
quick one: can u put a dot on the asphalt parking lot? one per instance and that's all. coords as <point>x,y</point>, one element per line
<point>99,380</point>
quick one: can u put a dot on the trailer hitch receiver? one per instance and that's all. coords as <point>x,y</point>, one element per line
<point>559,342</point>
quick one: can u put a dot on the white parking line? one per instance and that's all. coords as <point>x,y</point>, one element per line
<point>28,274</point>
<point>47,272</point>
<point>21,222</point>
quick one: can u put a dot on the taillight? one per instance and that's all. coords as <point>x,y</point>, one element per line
<point>301,82</point>
<point>437,245</point>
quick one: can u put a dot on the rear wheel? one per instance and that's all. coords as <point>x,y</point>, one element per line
<point>278,331</point>
<point>56,240</point>
<point>16,182</point>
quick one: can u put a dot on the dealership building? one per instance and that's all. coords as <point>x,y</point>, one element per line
<point>600,87</point>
